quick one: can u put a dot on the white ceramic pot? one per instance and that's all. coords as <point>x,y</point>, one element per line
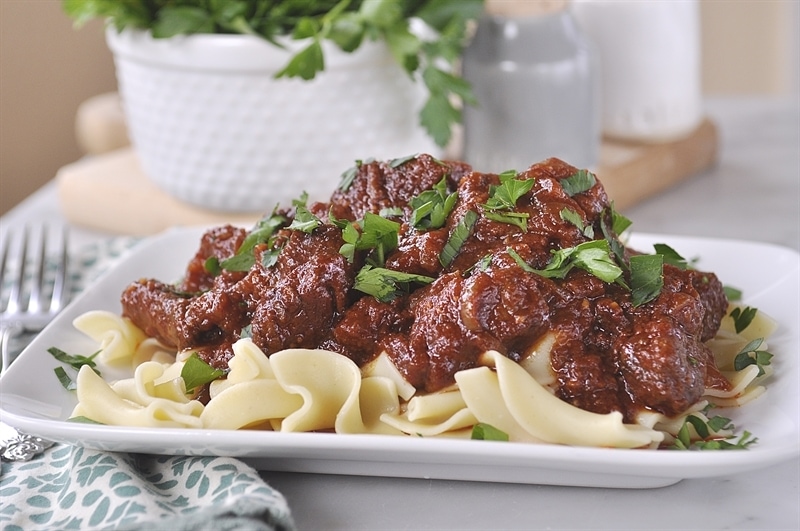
<point>214,128</point>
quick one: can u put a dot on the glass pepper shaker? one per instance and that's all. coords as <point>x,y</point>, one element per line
<point>536,80</point>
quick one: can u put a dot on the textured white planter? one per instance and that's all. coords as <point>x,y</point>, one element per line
<point>212,126</point>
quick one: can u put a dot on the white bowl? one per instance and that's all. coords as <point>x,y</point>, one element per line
<point>214,128</point>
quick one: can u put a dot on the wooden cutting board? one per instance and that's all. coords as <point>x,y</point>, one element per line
<point>109,192</point>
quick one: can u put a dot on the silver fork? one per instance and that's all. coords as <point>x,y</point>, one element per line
<point>36,293</point>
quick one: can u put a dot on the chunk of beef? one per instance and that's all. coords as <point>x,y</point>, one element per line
<point>662,366</point>
<point>296,302</point>
<point>220,243</point>
<point>379,185</point>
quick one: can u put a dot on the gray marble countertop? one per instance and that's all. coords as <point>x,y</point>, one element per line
<point>752,193</point>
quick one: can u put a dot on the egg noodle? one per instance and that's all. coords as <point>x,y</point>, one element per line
<point>301,390</point>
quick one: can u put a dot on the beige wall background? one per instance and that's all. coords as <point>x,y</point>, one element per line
<point>47,68</point>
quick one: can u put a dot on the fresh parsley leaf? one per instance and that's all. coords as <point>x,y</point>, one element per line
<point>744,442</point>
<point>719,423</point>
<point>612,237</point>
<point>238,262</point>
<point>348,176</point>
<point>518,219</point>
<point>743,317</point>
<point>212,266</point>
<point>65,380</point>
<point>396,163</point>
<point>378,235</point>
<point>196,373</point>
<point>481,265</point>
<point>76,361</point>
<point>505,195</point>
<point>578,182</point>
<point>350,236</point>
<point>503,200</point>
<point>486,432</point>
<point>683,440</point>
<point>592,256</point>
<point>751,355</point>
<point>619,223</point>
<point>391,212</point>
<point>732,294</point>
<point>460,234</point>
<point>244,258</point>
<point>671,256</point>
<point>306,63</point>
<point>270,257</point>
<point>304,220</point>
<point>570,216</point>
<point>386,284</point>
<point>647,277</point>
<point>431,207</point>
<point>177,20</point>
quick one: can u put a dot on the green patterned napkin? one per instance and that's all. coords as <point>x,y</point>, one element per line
<point>68,487</point>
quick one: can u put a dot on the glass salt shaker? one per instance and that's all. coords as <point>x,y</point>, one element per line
<point>536,81</point>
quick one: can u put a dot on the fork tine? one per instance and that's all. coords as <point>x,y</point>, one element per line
<point>35,296</point>
<point>60,291</point>
<point>4,259</point>
<point>15,295</point>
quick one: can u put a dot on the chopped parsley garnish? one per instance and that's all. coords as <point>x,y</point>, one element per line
<point>580,181</point>
<point>196,373</point>
<point>486,432</point>
<point>570,216</point>
<point>396,163</point>
<point>377,234</point>
<point>519,219</point>
<point>391,212</point>
<point>705,429</point>
<point>611,236</point>
<point>671,256</point>
<point>647,278</point>
<point>751,355</point>
<point>742,317</point>
<point>592,256</point>
<point>244,258</point>
<point>733,294</point>
<point>431,207</point>
<point>64,379</point>
<point>304,220</point>
<point>263,231</point>
<point>503,200</point>
<point>76,361</point>
<point>481,265</point>
<point>505,195</point>
<point>619,223</point>
<point>460,233</point>
<point>386,284</point>
<point>349,175</point>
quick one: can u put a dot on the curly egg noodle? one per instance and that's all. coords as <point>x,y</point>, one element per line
<point>301,390</point>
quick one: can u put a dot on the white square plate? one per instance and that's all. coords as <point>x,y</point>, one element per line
<point>32,399</point>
